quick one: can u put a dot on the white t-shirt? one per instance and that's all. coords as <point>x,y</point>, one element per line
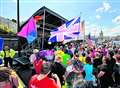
<point>32,58</point>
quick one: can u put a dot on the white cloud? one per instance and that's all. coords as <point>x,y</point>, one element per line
<point>113,11</point>
<point>112,31</point>
<point>116,20</point>
<point>91,28</point>
<point>95,29</point>
<point>98,17</point>
<point>104,8</point>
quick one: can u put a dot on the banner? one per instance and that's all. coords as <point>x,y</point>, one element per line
<point>1,43</point>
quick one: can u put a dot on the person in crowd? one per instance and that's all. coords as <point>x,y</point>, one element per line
<point>1,57</point>
<point>111,61</point>
<point>105,75</point>
<point>78,65</point>
<point>37,65</point>
<point>83,58</point>
<point>72,47</point>
<point>59,69</point>
<point>8,56</point>
<point>69,51</point>
<point>97,61</point>
<point>69,75</point>
<point>80,50</point>
<point>8,78</point>
<point>36,61</point>
<point>116,70</point>
<point>88,69</point>
<point>42,80</point>
<point>33,57</point>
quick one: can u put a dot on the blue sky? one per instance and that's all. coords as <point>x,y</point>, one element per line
<point>98,14</point>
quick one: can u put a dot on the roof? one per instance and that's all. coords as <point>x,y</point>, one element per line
<point>52,19</point>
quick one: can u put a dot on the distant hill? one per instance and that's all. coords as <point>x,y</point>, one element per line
<point>7,25</point>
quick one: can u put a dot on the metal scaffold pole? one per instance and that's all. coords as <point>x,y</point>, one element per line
<point>18,27</point>
<point>43,34</point>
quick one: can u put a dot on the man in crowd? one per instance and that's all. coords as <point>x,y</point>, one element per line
<point>42,80</point>
<point>1,56</point>
<point>59,69</point>
<point>8,56</point>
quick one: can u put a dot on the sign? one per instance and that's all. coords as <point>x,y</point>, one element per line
<point>1,43</point>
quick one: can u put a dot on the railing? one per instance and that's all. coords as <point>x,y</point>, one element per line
<point>28,48</point>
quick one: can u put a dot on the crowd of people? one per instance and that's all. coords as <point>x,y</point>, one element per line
<point>76,66</point>
<point>70,65</point>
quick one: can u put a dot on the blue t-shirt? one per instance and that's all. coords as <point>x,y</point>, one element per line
<point>88,71</point>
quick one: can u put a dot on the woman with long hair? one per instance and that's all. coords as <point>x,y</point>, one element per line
<point>8,79</point>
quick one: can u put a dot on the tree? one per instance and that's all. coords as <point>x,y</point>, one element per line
<point>13,20</point>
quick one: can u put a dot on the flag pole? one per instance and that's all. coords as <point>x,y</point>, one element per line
<point>18,28</point>
<point>43,29</point>
<point>79,26</point>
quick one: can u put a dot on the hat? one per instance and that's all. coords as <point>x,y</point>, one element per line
<point>35,51</point>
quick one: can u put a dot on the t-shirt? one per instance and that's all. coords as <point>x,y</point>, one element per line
<point>59,69</point>
<point>37,65</point>
<point>82,59</point>
<point>88,71</point>
<point>43,83</point>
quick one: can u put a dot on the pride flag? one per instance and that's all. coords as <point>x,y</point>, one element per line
<point>29,31</point>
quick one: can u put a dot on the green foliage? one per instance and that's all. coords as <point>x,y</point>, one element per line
<point>5,28</point>
<point>13,20</point>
